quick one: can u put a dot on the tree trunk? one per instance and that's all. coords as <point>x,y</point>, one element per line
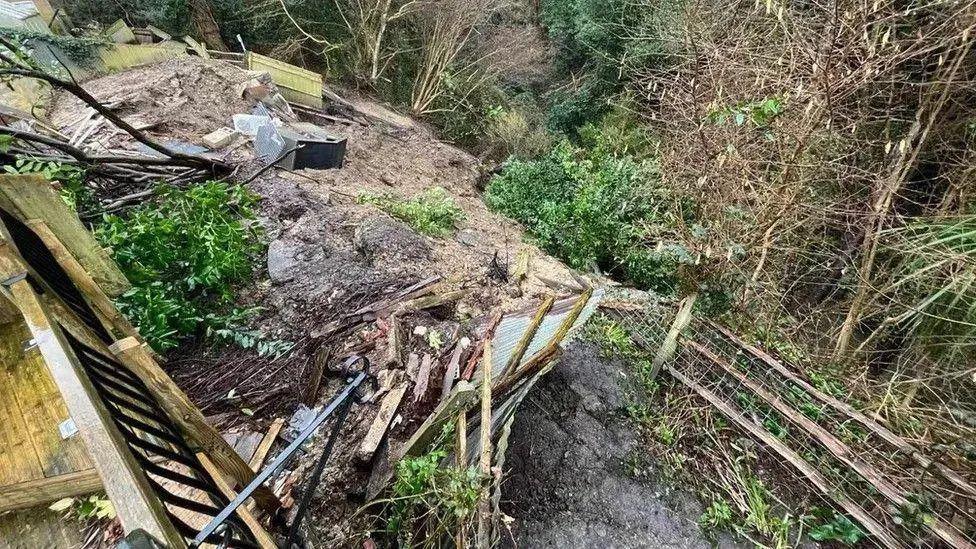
<point>384,14</point>
<point>205,25</point>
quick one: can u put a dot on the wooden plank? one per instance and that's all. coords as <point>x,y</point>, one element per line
<point>188,417</point>
<point>19,461</point>
<point>40,528</point>
<point>381,423</point>
<point>32,197</point>
<point>126,484</point>
<point>809,471</point>
<point>261,535</point>
<point>837,448</point>
<point>523,344</point>
<point>452,371</point>
<point>261,453</point>
<point>898,442</point>
<point>43,491</point>
<point>40,403</point>
<point>113,320</point>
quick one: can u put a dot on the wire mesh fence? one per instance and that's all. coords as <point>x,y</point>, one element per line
<point>835,456</point>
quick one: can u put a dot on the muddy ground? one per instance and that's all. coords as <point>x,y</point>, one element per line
<point>571,482</point>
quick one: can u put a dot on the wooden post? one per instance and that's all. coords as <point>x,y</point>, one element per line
<point>188,418</point>
<point>484,510</point>
<point>90,290</point>
<point>137,505</point>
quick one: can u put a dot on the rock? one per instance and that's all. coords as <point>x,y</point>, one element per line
<point>281,261</point>
<point>467,237</point>
<point>382,237</point>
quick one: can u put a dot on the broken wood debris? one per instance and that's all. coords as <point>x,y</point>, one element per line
<point>384,417</point>
<point>423,377</point>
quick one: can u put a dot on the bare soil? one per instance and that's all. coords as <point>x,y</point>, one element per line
<point>572,481</point>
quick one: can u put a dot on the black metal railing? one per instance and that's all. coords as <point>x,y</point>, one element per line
<point>339,406</point>
<point>175,473</point>
<point>43,262</point>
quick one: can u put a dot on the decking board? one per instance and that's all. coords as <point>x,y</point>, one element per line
<point>31,410</point>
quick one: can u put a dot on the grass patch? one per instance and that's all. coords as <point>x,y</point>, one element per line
<point>432,212</point>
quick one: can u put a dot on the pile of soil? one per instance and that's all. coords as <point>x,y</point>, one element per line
<point>178,99</point>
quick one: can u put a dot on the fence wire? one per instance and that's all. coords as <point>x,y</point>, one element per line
<point>919,507</point>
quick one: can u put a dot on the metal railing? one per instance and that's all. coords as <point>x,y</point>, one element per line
<point>339,406</point>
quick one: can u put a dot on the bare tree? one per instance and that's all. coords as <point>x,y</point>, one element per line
<point>446,27</point>
<point>368,22</point>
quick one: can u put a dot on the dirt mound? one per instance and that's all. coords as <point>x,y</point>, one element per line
<point>182,99</point>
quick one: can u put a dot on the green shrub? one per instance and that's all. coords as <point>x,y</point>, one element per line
<point>591,208</point>
<point>432,497</point>
<point>184,252</point>
<point>432,212</point>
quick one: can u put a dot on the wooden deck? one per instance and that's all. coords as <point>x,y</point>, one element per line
<point>37,466</point>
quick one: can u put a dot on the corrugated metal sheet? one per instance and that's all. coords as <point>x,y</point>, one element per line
<point>17,10</point>
<point>510,330</point>
<point>298,85</point>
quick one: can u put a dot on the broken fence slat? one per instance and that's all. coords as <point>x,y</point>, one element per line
<point>261,453</point>
<point>423,377</point>
<point>811,473</point>
<point>451,373</point>
<point>523,344</point>
<point>381,423</point>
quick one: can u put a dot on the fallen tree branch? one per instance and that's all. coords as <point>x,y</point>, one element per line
<point>16,68</point>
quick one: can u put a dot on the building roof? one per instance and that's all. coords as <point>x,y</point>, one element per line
<point>18,10</point>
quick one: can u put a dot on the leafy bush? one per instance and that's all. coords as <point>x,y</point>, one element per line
<point>838,528</point>
<point>183,253</point>
<point>432,497</point>
<point>592,208</point>
<point>432,212</point>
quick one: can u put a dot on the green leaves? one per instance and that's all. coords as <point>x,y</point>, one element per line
<point>183,253</point>
<point>838,528</point>
<point>592,208</point>
<point>432,212</point>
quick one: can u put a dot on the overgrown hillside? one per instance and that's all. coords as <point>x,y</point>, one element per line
<point>801,172</point>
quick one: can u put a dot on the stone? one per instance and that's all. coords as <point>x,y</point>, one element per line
<point>282,264</point>
<point>467,237</point>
